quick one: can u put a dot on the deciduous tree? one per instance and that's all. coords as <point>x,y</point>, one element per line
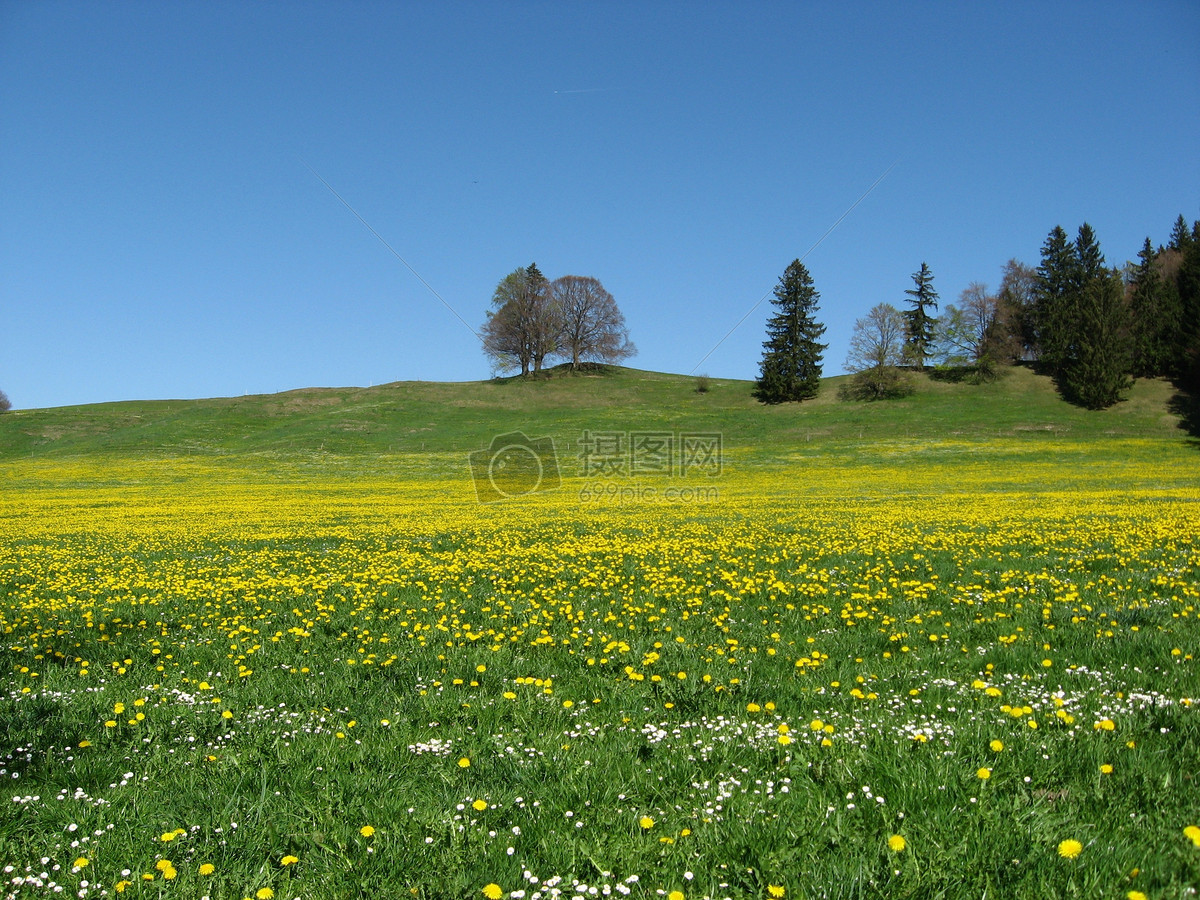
<point>1018,296</point>
<point>593,327</point>
<point>524,324</point>
<point>876,351</point>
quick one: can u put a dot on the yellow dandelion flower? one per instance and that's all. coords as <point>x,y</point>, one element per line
<point>163,864</point>
<point>1070,848</point>
<point>167,836</point>
<point>479,805</point>
<point>264,893</point>
<point>753,707</point>
<point>1135,895</point>
<point>85,743</point>
<point>288,860</point>
<point>118,708</point>
<point>367,830</point>
<point>169,873</point>
<point>784,740</point>
<point>1192,833</point>
<point>996,745</point>
<point>675,895</point>
<point>110,724</point>
<point>1106,769</point>
<point>645,823</point>
<point>227,714</point>
<point>897,843</point>
<point>984,773</point>
<point>120,886</point>
<point>207,869</point>
<point>81,862</point>
<point>493,891</point>
<point>776,890</point>
<point>464,763</point>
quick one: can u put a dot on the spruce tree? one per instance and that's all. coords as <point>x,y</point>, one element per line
<point>919,324</point>
<point>1180,238</point>
<point>1099,369</point>
<point>1187,282</point>
<point>1055,295</point>
<point>791,365</point>
<point>1083,320</point>
<point>1154,312</point>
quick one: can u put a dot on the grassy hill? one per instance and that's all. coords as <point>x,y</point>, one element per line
<point>415,417</point>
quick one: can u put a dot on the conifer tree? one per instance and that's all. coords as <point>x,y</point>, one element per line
<point>791,365</point>
<point>1099,370</point>
<point>1187,282</point>
<point>919,324</point>
<point>1082,319</point>
<point>1154,312</point>
<point>1055,295</point>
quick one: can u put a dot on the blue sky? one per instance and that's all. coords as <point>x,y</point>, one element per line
<point>162,235</point>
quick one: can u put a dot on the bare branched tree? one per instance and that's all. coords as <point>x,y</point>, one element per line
<point>523,326</point>
<point>965,331</point>
<point>878,339</point>
<point>876,352</point>
<point>593,327</point>
<point>5,403</point>
<point>1018,299</point>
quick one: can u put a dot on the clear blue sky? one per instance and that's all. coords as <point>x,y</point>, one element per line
<point>162,237</point>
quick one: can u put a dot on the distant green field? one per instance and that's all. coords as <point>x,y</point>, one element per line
<point>416,417</point>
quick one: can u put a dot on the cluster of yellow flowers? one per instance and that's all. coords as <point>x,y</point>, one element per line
<point>813,591</point>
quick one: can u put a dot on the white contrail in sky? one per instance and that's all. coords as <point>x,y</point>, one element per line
<point>390,248</point>
<point>828,232</point>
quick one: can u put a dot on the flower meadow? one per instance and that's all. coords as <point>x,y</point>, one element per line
<point>927,670</point>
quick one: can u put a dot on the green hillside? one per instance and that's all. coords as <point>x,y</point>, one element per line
<point>408,417</point>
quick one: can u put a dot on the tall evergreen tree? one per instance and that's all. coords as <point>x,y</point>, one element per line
<point>1083,322</point>
<point>1154,313</point>
<point>791,365</point>
<point>1180,237</point>
<point>1054,299</point>
<point>919,324</point>
<point>1098,371</point>
<point>1187,282</point>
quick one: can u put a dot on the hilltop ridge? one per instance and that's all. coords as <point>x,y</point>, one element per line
<point>417,416</point>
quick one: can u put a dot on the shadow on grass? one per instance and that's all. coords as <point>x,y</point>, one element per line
<point>951,374</point>
<point>563,370</point>
<point>1186,405</point>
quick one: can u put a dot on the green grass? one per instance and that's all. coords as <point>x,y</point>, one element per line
<point>315,566</point>
<point>416,417</point>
